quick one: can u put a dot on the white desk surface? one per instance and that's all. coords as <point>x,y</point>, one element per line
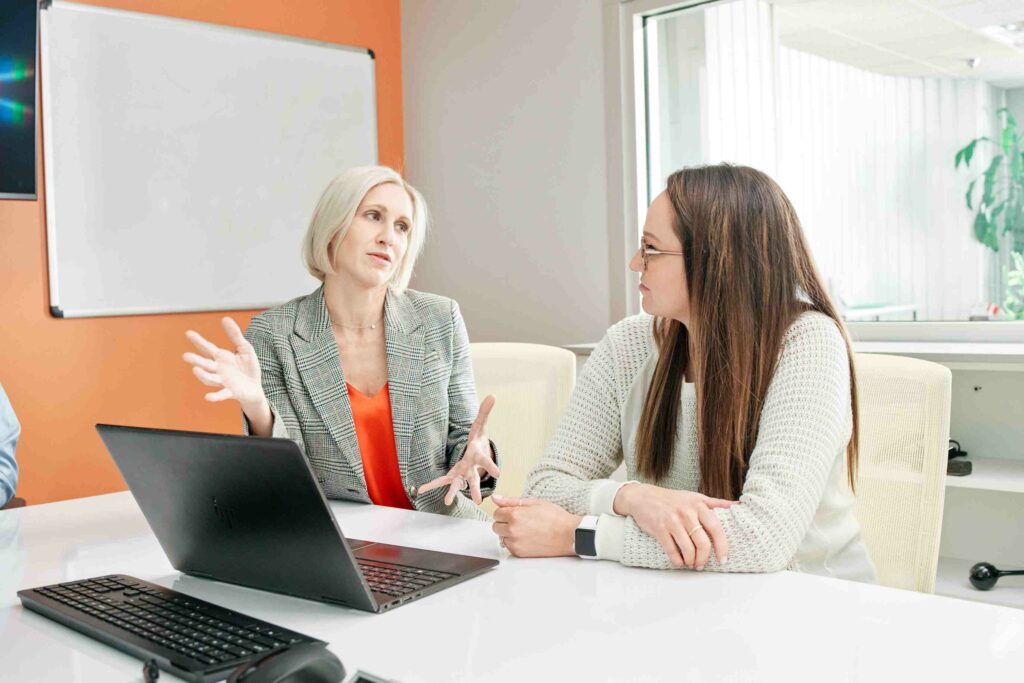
<point>526,620</point>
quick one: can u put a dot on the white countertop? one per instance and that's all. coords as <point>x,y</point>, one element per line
<point>550,619</point>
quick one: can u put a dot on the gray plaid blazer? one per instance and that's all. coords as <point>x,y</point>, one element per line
<point>430,381</point>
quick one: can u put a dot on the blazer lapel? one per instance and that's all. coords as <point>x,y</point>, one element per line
<point>404,342</point>
<point>316,356</point>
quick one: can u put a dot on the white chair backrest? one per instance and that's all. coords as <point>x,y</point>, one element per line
<point>904,436</point>
<point>531,384</point>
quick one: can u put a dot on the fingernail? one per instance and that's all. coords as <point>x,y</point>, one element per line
<point>724,560</point>
<point>497,498</point>
<point>700,568</point>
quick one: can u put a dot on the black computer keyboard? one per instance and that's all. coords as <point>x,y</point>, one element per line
<point>396,580</point>
<point>190,638</point>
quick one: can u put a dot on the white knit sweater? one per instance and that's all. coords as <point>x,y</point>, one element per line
<point>796,509</point>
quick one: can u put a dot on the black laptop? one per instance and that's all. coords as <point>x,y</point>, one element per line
<point>248,510</point>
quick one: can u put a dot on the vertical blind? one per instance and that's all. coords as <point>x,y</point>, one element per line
<point>866,158</point>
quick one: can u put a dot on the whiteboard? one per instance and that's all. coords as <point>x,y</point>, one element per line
<point>184,160</point>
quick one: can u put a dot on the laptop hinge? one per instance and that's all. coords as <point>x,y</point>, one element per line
<point>202,575</point>
<point>335,601</point>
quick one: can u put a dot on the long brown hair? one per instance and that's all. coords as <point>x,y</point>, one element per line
<point>749,275</point>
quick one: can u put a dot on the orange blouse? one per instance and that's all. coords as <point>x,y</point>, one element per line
<point>376,436</point>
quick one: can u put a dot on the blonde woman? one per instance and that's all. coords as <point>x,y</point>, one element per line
<point>373,380</point>
<point>731,401</point>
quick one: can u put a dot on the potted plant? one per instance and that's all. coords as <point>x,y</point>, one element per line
<point>1000,210</point>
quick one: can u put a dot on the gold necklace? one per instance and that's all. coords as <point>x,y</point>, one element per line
<point>353,327</point>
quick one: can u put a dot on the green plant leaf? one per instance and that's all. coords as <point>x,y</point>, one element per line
<point>994,216</point>
<point>1010,217</point>
<point>1008,138</point>
<point>983,231</point>
<point>1010,121</point>
<point>1015,218</point>
<point>969,152</point>
<point>990,180</point>
<point>970,191</point>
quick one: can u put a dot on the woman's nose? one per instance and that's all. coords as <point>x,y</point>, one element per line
<point>636,263</point>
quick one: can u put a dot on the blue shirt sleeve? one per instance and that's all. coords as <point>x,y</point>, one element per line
<point>10,430</point>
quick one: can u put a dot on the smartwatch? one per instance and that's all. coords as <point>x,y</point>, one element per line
<point>585,541</point>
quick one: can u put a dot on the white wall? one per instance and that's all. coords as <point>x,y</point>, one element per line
<point>505,136</point>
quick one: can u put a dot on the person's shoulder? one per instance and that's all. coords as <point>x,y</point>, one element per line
<point>279,320</point>
<point>628,342</point>
<point>428,303</point>
<point>815,324</point>
<point>434,311</point>
<point>817,334</point>
<point>635,331</point>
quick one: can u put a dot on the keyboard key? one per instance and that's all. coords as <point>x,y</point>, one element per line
<point>263,640</point>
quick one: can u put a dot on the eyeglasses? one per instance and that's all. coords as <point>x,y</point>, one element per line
<point>646,253</point>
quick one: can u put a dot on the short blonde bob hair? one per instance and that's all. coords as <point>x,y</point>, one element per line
<point>336,209</point>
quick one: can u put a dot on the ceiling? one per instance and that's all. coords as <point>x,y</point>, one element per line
<point>911,37</point>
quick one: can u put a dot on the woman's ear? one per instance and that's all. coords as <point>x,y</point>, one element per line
<point>331,253</point>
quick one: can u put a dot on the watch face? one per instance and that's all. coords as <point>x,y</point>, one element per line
<point>586,542</point>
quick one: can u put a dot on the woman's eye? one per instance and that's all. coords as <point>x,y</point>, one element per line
<point>373,215</point>
<point>404,227</point>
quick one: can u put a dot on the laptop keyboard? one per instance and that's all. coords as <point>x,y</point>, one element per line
<point>147,620</point>
<point>395,580</point>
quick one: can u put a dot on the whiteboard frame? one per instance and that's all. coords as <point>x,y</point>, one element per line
<point>48,162</point>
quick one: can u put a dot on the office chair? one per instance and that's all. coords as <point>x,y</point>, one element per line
<point>531,384</point>
<point>904,438</point>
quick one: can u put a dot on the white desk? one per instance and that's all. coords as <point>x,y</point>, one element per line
<point>526,620</point>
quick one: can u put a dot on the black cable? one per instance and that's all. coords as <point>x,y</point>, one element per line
<point>150,671</point>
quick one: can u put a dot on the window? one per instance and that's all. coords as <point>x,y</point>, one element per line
<point>858,108</point>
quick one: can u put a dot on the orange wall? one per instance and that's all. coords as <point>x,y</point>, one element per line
<point>64,376</point>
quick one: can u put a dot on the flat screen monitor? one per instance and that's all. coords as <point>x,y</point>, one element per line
<point>18,99</point>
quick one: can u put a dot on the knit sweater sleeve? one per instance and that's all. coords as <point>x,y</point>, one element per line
<point>806,423</point>
<point>586,446</point>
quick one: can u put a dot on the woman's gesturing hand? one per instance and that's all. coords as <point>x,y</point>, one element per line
<point>236,374</point>
<point>477,458</point>
<point>683,522</point>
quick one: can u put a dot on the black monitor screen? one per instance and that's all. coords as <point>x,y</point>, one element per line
<point>17,98</point>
